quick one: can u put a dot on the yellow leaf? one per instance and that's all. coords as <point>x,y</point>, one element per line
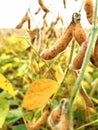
<point>6,85</point>
<point>35,67</point>
<point>95,83</point>
<point>59,74</point>
<point>95,100</point>
<point>91,110</point>
<point>79,103</point>
<point>38,93</point>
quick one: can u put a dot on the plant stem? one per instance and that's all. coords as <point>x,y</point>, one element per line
<point>67,70</point>
<point>69,61</point>
<point>88,124</point>
<point>84,65</point>
<point>37,54</point>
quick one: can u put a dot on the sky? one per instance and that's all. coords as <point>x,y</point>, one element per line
<point>12,11</point>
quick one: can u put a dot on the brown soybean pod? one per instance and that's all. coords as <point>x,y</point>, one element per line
<point>88,7</point>
<point>94,61</point>
<point>54,117</point>
<point>24,19</point>
<point>29,25</point>
<point>79,34</point>
<point>61,44</point>
<point>78,60</point>
<point>64,2</point>
<point>64,117</point>
<point>19,25</point>
<point>64,122</point>
<point>44,8</point>
<point>94,55</point>
<point>41,121</point>
<point>96,49</point>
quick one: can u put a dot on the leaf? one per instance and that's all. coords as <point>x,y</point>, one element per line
<point>6,85</point>
<point>79,103</point>
<point>38,93</point>
<point>59,74</point>
<point>4,108</point>
<point>13,115</point>
<point>19,127</point>
<point>95,100</point>
<point>35,67</point>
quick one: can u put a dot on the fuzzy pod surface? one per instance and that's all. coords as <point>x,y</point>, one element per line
<point>78,60</point>
<point>61,43</point>
<point>94,55</point>
<point>79,34</point>
<point>88,7</point>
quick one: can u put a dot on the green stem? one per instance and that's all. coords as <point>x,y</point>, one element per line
<point>21,112</point>
<point>67,70</point>
<point>88,124</point>
<point>69,61</point>
<point>84,65</point>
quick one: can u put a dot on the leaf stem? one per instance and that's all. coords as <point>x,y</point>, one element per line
<point>88,124</point>
<point>67,70</point>
<point>69,61</point>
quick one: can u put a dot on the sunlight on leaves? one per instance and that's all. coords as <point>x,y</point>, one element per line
<point>6,85</point>
<point>38,93</point>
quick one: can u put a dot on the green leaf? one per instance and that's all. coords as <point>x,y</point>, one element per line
<point>4,108</point>
<point>13,115</point>
<point>19,127</point>
<point>22,68</point>
<point>5,57</point>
